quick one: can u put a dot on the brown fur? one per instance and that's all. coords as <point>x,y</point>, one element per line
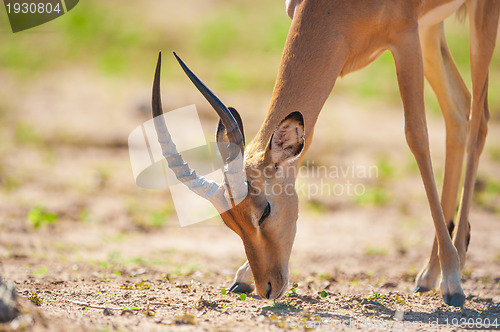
<point>331,38</point>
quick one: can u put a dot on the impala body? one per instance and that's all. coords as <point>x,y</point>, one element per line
<point>328,39</point>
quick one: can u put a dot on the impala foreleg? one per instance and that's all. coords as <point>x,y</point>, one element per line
<point>409,66</point>
<point>454,101</point>
<point>484,16</point>
<point>243,280</point>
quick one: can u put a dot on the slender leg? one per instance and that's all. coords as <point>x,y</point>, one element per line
<point>454,101</point>
<point>483,17</point>
<point>243,280</point>
<point>409,66</point>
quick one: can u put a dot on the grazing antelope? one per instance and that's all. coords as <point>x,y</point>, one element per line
<point>328,39</point>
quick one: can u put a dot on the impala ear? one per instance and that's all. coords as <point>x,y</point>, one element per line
<point>287,141</point>
<point>221,134</point>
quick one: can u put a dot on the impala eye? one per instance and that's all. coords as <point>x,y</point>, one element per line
<point>266,213</point>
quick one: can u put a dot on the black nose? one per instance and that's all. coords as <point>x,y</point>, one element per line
<point>269,289</point>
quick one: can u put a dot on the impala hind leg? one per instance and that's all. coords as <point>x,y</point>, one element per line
<point>243,280</point>
<point>409,66</point>
<point>454,101</point>
<point>483,18</point>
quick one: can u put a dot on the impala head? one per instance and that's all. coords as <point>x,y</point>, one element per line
<point>257,200</point>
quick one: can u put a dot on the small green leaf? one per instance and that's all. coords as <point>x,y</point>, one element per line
<point>35,299</point>
<point>243,296</point>
<point>131,308</point>
<point>39,216</point>
<point>223,291</point>
<point>40,272</point>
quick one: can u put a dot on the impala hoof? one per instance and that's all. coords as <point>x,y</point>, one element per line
<point>241,287</point>
<point>455,300</point>
<point>421,289</point>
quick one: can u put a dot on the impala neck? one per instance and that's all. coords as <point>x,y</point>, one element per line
<point>311,61</point>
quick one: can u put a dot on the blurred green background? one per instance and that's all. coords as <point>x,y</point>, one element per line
<point>235,45</point>
<point>73,89</point>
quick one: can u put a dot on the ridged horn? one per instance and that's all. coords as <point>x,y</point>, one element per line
<point>197,184</point>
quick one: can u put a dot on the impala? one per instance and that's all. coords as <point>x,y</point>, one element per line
<point>328,39</point>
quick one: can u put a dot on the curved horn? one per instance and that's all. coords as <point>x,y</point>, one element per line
<point>233,131</point>
<point>198,184</point>
<point>234,172</point>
